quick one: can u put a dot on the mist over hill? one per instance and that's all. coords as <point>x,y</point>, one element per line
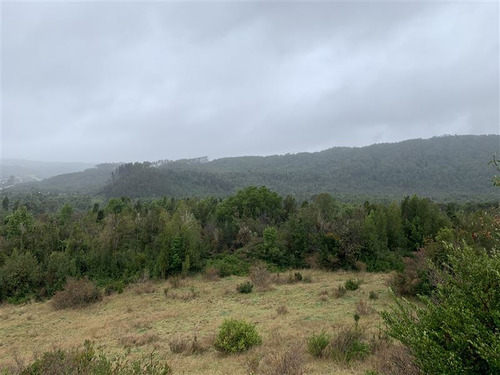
<point>443,168</point>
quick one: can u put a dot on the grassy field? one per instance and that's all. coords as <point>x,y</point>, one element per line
<point>145,318</point>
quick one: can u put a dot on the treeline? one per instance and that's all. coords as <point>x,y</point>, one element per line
<point>125,240</point>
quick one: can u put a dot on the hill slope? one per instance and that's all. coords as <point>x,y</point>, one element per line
<point>443,168</point>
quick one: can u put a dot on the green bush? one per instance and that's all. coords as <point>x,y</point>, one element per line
<point>76,293</point>
<point>20,278</point>
<point>236,336</point>
<point>352,284</point>
<point>317,343</point>
<point>457,330</point>
<point>245,287</point>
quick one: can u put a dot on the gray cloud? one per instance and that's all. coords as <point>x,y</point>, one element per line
<point>130,81</point>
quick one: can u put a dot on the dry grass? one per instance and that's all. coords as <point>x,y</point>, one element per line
<point>144,320</point>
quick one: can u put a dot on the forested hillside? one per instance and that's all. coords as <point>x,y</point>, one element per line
<point>448,168</point>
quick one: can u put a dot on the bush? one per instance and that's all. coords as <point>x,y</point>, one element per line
<point>457,331</point>
<point>76,293</point>
<point>415,279</point>
<point>245,287</point>
<point>317,344</point>
<point>20,278</point>
<point>352,284</point>
<point>348,345</point>
<point>236,336</point>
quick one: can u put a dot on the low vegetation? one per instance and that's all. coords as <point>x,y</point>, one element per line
<point>236,336</point>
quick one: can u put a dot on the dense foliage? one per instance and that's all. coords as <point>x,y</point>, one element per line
<point>458,330</point>
<point>450,168</point>
<point>236,336</point>
<point>125,240</point>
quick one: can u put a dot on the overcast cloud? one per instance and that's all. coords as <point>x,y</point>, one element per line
<point>131,82</point>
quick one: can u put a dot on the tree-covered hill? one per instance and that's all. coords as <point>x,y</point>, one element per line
<point>443,168</point>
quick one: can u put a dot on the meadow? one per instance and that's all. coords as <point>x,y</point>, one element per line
<point>178,319</point>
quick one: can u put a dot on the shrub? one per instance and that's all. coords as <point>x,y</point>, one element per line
<point>317,344</point>
<point>394,360</point>
<point>352,284</point>
<point>415,279</point>
<point>348,345</point>
<point>236,336</point>
<point>457,331</point>
<point>339,292</point>
<point>20,278</point>
<point>245,287</point>
<point>260,276</point>
<point>76,293</point>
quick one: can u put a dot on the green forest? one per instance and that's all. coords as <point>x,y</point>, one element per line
<point>127,239</point>
<point>445,169</point>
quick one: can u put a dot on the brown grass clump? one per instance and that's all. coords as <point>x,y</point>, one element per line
<point>175,282</point>
<point>260,276</point>
<point>211,274</point>
<point>282,310</point>
<point>183,345</point>
<point>284,362</point>
<point>339,292</point>
<point>184,296</point>
<point>76,293</point>
<point>394,360</point>
<point>138,340</point>
<point>363,309</point>
<point>145,288</point>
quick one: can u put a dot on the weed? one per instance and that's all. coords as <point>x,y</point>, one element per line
<point>339,292</point>
<point>348,344</point>
<point>317,344</point>
<point>245,287</point>
<point>362,308</point>
<point>352,284</point>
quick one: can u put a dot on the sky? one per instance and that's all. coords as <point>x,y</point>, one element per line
<point>131,81</point>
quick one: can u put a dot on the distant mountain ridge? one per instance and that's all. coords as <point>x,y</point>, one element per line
<point>442,168</point>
